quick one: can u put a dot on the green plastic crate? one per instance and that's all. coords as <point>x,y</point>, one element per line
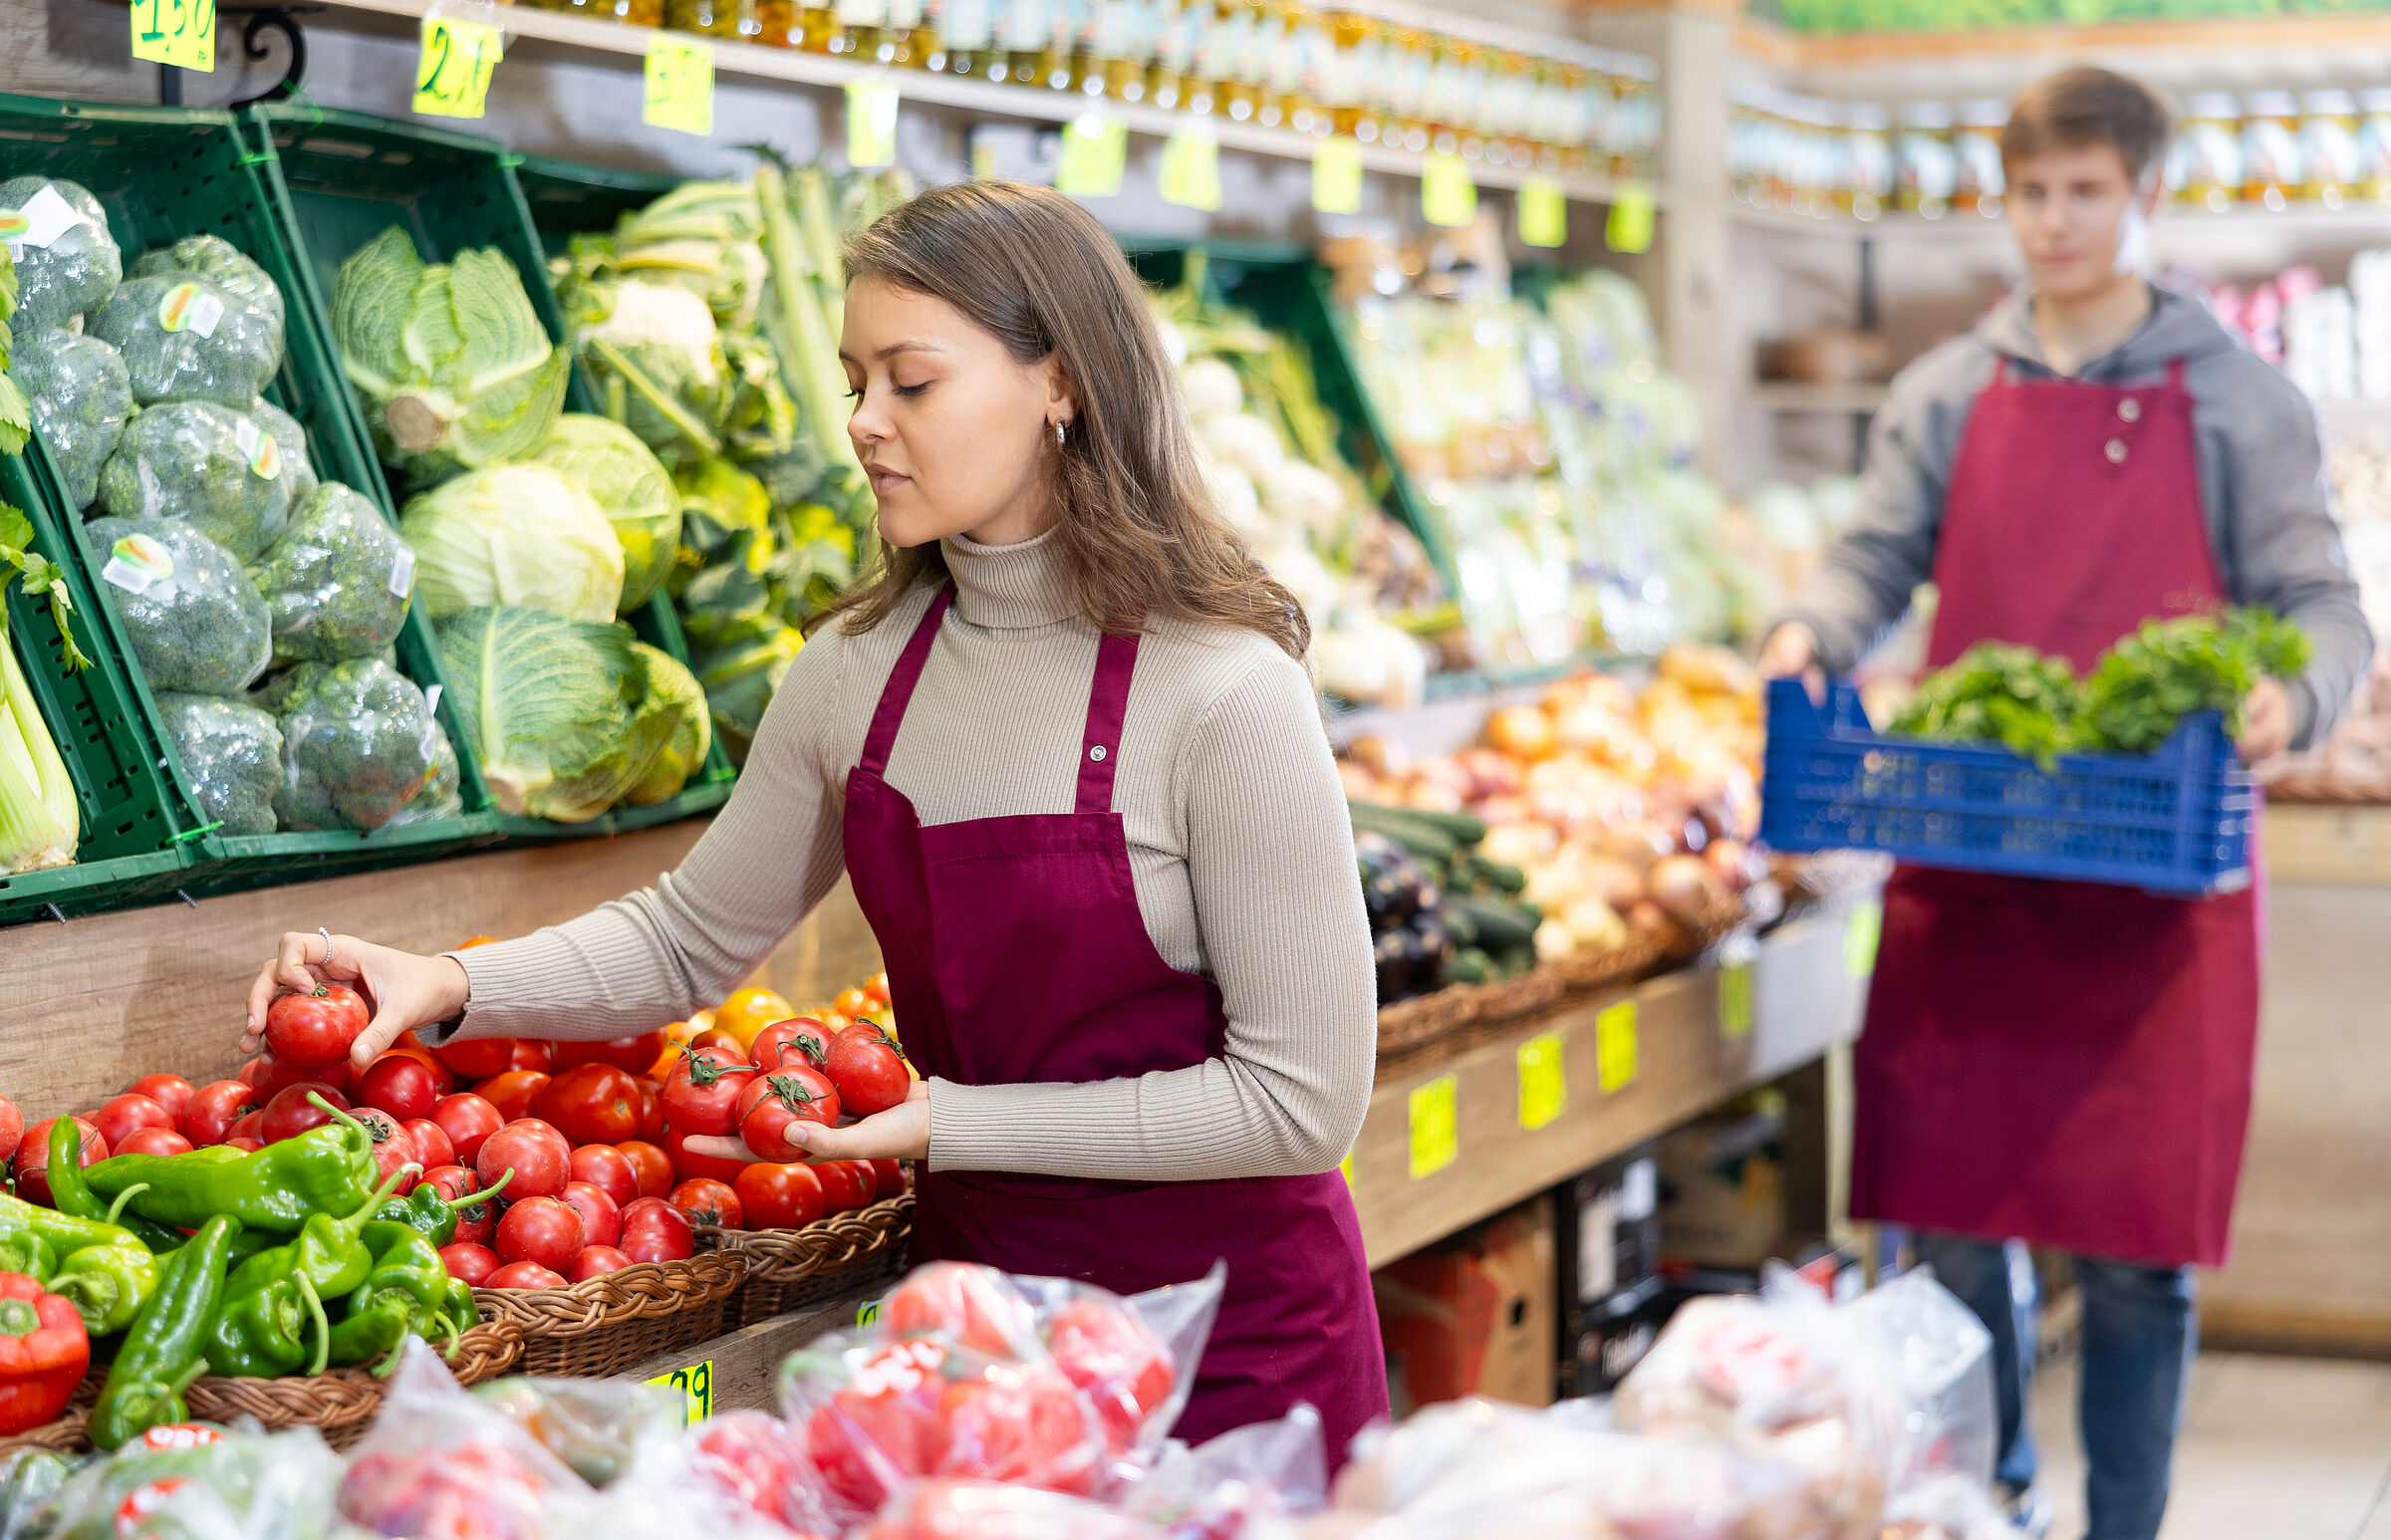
<point>162,174</point>
<point>338,180</point>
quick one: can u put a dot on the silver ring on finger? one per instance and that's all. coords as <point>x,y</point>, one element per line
<point>327,936</point>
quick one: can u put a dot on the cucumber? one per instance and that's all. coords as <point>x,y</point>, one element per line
<point>1496,927</point>
<point>1427,843</point>
<point>1465,827</point>
<point>1469,965</point>
<point>1499,875</point>
<point>1459,924</point>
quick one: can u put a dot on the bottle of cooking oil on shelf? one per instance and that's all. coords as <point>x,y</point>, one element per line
<point>1062,30</point>
<point>903,35</point>
<point>957,36</point>
<point>1298,71</point>
<point>1411,54</point>
<point>1101,62</point>
<point>1169,44</point>
<point>636,13</point>
<point>1353,51</point>
<point>1020,36</point>
<point>731,20</point>
<point>859,24</point>
<point>1209,38</point>
<point>1271,68</point>
<point>1234,23</point>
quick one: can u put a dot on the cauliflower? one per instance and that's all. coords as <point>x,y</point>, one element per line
<point>194,619</point>
<point>217,259</point>
<point>357,744</point>
<point>233,754</point>
<point>338,581</point>
<point>80,398</point>
<point>205,464</point>
<point>298,471</point>
<point>1211,389</point>
<point>76,271</point>
<point>185,338</point>
<point>656,349</point>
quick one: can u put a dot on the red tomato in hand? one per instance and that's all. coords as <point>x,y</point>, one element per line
<point>121,1115</point>
<point>1124,1368</point>
<point>534,1151</point>
<point>290,1112</point>
<point>432,1142</point>
<point>477,1058</point>
<point>771,1102</point>
<point>467,1119</point>
<point>799,1040</point>
<point>597,1262</point>
<point>889,1178</point>
<point>843,1188</point>
<point>779,1196</point>
<point>546,1231</point>
<point>649,1164</point>
<point>655,1231</point>
<point>601,1215</point>
<point>524,1275</point>
<point>651,1109</point>
<point>704,1201</point>
<point>701,1095</point>
<point>607,1169</point>
<point>400,1085</point>
<point>32,1167</point>
<point>868,1071</point>
<point>469,1262</point>
<point>632,1054</point>
<point>153,1141</point>
<point>215,1108</point>
<point>967,1303</point>
<point>275,1075</point>
<point>590,1103</point>
<point>688,1163</point>
<point>315,1028</point>
<point>171,1092</point>
<point>12,1130</point>
<point>513,1092</point>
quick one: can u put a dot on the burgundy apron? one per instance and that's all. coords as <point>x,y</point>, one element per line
<point>1016,953</point>
<point>2065,1062</point>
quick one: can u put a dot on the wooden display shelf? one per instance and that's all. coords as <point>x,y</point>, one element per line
<point>1806,993</point>
<point>2309,842</point>
<point>742,1368</point>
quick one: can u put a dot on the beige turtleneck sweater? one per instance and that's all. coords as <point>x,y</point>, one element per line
<point>1238,839</point>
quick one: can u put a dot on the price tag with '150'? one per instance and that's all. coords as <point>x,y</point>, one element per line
<point>453,68</point>
<point>182,32</point>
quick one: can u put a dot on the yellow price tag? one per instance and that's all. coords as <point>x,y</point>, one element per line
<point>1345,1168</point>
<point>1192,170</point>
<point>182,32</point>
<point>871,123</point>
<point>1095,149</point>
<point>1447,194</point>
<point>1629,227</point>
<point>1436,1128</point>
<point>1543,1084</point>
<point>1337,176</point>
<point>1615,1046</point>
<point>1543,212</point>
<point>452,71</point>
<point>867,1312</point>
<point>1863,928</point>
<point>680,86</point>
<point>984,162</point>
<point>1734,1000</point>
<point>696,1383</point>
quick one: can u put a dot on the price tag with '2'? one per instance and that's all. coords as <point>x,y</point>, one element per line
<point>182,32</point>
<point>453,68</point>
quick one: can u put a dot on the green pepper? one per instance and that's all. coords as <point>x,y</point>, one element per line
<point>166,1347</point>
<point>263,1334</point>
<point>326,1253</point>
<point>108,1285</point>
<point>65,1234</point>
<point>22,1251</point>
<point>408,1272</point>
<point>327,1169</point>
<point>435,1217</point>
<point>371,1334</point>
<point>73,1195</point>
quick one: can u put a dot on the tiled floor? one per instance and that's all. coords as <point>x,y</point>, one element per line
<point>2273,1448</point>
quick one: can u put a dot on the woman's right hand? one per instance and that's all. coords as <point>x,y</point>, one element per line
<point>1791,652</point>
<point>404,991</point>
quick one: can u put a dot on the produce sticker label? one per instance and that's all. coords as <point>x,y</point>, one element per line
<point>1191,169</point>
<point>1615,1046</point>
<point>259,449</point>
<point>402,573</point>
<point>1734,1000</point>
<point>182,32</point>
<point>1337,175</point>
<point>1629,227</point>
<point>137,563</point>
<point>1543,1086</point>
<point>45,216</point>
<point>1436,1127</point>
<point>680,86</point>
<point>1095,152</point>
<point>1447,194</point>
<point>1863,928</point>
<point>696,1386</point>
<point>454,66</point>
<point>871,123</point>
<point>1543,212</point>
<point>185,306</point>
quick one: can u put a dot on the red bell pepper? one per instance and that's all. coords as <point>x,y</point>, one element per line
<point>44,1352</point>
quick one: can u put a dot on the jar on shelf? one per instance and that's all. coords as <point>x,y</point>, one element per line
<point>2328,148</point>
<point>1294,69</point>
<point>1053,69</point>
<point>1636,120</point>
<point>1975,148</point>
<point>2269,148</point>
<point>1020,36</point>
<point>904,36</point>
<point>1170,27</point>
<point>1445,107</point>
<point>2210,145</point>
<point>2374,142</point>
<point>1925,161</point>
<point>636,13</point>
<point>1865,185</point>
<point>1409,56</point>
<point>1352,50</point>
<point>736,21</point>
<point>1105,56</point>
<point>857,30</point>
<point>957,36</point>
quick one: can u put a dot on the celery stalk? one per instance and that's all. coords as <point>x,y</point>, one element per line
<point>39,821</point>
<point>797,328</point>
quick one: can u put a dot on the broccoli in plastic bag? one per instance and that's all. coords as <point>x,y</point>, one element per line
<point>186,338</point>
<point>196,621</point>
<point>79,398</point>
<point>357,744</point>
<point>67,262</point>
<point>338,581</point>
<point>206,465</point>
<point>233,754</point>
<point>213,257</point>
<point>437,799</point>
<point>298,471</point>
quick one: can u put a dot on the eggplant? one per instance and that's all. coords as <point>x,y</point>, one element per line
<point>1393,953</point>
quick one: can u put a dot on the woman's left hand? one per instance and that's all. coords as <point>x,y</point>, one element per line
<point>900,1133</point>
<point>2266,721</point>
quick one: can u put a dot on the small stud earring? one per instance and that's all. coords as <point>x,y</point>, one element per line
<point>1059,425</point>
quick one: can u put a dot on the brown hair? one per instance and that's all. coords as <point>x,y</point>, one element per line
<point>1139,535</point>
<point>2086,105</point>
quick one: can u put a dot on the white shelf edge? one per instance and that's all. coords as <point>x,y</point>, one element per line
<point>756,61</point>
<point>2363,220</point>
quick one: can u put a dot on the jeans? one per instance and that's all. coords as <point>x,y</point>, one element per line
<point>2140,1335</point>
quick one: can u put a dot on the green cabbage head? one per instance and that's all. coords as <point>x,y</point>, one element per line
<point>629,485</point>
<point>451,359</point>
<point>672,691</point>
<point>521,535</point>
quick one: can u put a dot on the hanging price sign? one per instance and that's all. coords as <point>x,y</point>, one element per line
<point>1191,169</point>
<point>871,123</point>
<point>1735,1001</point>
<point>1615,1046</point>
<point>1544,1086</point>
<point>1434,1127</point>
<point>182,32</point>
<point>454,68</point>
<point>1447,194</point>
<point>1095,149</point>
<point>1629,227</point>
<point>1543,212</point>
<point>680,86</point>
<point>1337,176</point>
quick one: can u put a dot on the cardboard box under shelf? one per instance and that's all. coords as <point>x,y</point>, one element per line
<point>1474,1315</point>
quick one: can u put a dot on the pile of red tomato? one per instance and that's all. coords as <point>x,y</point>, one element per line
<point>588,1138</point>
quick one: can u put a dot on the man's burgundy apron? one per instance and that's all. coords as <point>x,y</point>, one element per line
<point>2065,1062</point>
<point>1015,953</point>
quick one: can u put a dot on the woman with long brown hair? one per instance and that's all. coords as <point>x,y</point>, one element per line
<point>1062,740</point>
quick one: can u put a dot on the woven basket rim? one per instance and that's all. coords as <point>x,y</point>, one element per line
<point>830,1244</point>
<point>634,1293</point>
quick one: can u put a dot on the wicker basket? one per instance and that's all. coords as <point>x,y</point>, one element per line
<point>605,1325</point>
<point>789,1268</point>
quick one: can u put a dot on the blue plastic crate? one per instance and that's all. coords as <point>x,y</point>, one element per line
<point>2172,821</point>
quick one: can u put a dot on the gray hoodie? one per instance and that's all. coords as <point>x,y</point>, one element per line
<point>2263,489</point>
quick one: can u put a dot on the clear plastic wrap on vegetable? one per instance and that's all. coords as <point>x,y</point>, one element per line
<point>189,339</point>
<point>233,754</point>
<point>954,1509</point>
<point>1134,1358</point>
<point>190,1481</point>
<point>592,1425</point>
<point>67,262</point>
<point>440,798</point>
<point>338,581</point>
<point>195,621</point>
<point>357,744</point>
<point>1242,1482</point>
<point>79,398</point>
<point>217,259</point>
<point>298,471</point>
<point>440,1465</point>
<point>205,464</point>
